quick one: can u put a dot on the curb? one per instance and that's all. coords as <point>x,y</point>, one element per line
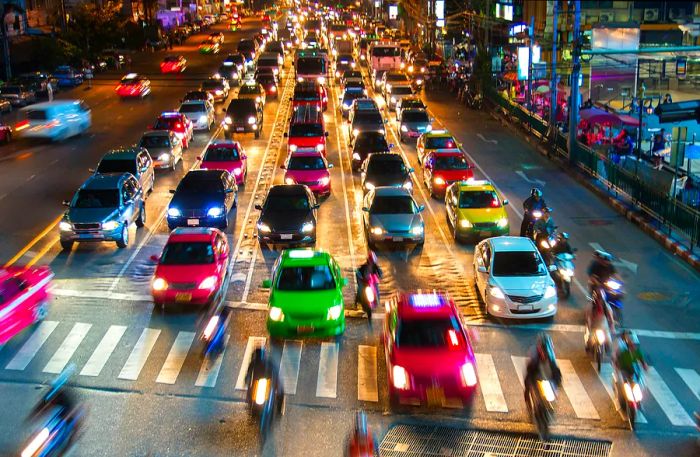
<point>623,208</point>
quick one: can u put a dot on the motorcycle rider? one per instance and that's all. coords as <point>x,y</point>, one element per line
<point>600,269</point>
<point>262,366</point>
<point>361,442</point>
<point>628,354</point>
<point>599,316</point>
<point>542,362</point>
<point>542,231</point>
<point>58,395</point>
<point>363,274</point>
<point>535,202</point>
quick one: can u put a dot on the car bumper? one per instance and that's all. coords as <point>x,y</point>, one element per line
<point>287,238</point>
<point>401,237</point>
<point>205,221</point>
<point>200,125</point>
<point>505,308</point>
<point>239,128</point>
<point>439,394</point>
<point>162,164</point>
<point>189,297</point>
<point>475,232</point>
<point>92,235</point>
<point>318,328</point>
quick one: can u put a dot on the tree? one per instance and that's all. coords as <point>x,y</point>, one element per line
<point>93,29</point>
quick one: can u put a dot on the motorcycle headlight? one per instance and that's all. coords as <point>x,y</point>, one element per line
<point>502,222</point>
<point>334,312</point>
<point>346,106</point>
<point>429,128</point>
<point>251,120</point>
<point>567,273</point>
<point>612,284</point>
<point>65,226</point>
<point>464,223</point>
<point>400,377</point>
<point>546,390</point>
<point>163,157</point>
<point>208,283</point>
<point>276,314</point>
<point>600,336</point>
<point>219,92</point>
<point>308,227</point>
<point>404,128</point>
<point>237,171</point>
<point>537,214</point>
<point>174,212</point>
<point>550,292</point>
<point>159,284</point>
<point>417,230</point>
<point>110,225</point>
<point>496,292</point>
<point>202,118</point>
<point>215,211</point>
<point>321,80</point>
<point>260,391</point>
<point>337,74</point>
<point>393,100</point>
<point>324,181</point>
<point>292,148</point>
<point>545,244</point>
<point>264,228</point>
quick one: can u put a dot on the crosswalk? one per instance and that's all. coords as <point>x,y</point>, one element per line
<point>125,352</point>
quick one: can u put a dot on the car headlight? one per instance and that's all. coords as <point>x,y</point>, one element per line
<point>400,377</point>
<point>363,57</point>
<point>321,80</point>
<point>208,283</point>
<point>496,292</point>
<point>237,171</point>
<point>550,292</point>
<point>417,230</point>
<point>264,228</point>
<point>203,118</point>
<point>174,212</point>
<point>275,71</point>
<point>356,156</point>
<point>163,157</point>
<point>468,374</point>
<point>419,81</point>
<point>378,82</point>
<point>308,227</point>
<point>393,100</point>
<point>502,222</point>
<point>438,181</point>
<point>276,314</point>
<point>408,185</point>
<point>324,181</point>
<point>289,180</point>
<point>219,92</point>
<point>216,211</point>
<point>251,120</point>
<point>300,79</point>
<point>429,128</point>
<point>388,87</point>
<point>258,99</point>
<point>334,312</point>
<point>355,132</point>
<point>228,120</point>
<point>110,225</point>
<point>369,186</point>
<point>376,231</point>
<point>404,128</point>
<point>159,284</point>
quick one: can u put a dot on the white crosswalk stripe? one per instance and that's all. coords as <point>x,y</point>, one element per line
<point>520,363</point>
<point>327,380</point>
<point>209,371</point>
<point>605,377</point>
<point>32,346</point>
<point>489,384</point>
<point>666,400</point>
<point>104,350</point>
<point>579,399</point>
<point>691,379</point>
<point>254,342</point>
<point>66,350</point>
<point>139,354</point>
<point>367,373</point>
<point>176,358</point>
<point>289,366</point>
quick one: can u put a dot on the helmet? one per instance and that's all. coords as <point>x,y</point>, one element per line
<point>602,255</point>
<point>630,338</point>
<point>545,348</point>
<point>547,210</point>
<point>371,257</point>
<point>535,192</point>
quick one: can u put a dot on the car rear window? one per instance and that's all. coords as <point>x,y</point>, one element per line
<point>371,141</point>
<point>241,107</point>
<point>117,166</point>
<point>307,95</point>
<point>479,199</point>
<point>268,62</point>
<point>221,154</point>
<point>97,198</point>
<point>401,90</point>
<point>305,130</point>
<point>165,123</point>
<point>518,263</point>
<point>155,141</point>
<point>429,333</point>
<point>440,143</point>
<point>386,167</point>
<point>310,65</point>
<point>187,253</point>
<point>414,116</point>
<point>393,205</point>
<point>316,277</point>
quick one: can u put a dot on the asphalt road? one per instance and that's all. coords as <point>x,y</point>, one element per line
<point>150,392</point>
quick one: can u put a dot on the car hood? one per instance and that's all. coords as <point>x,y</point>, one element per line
<point>430,362</point>
<point>394,222</point>
<point>87,215</point>
<point>196,201</point>
<point>478,215</point>
<point>228,166</point>
<point>185,273</point>
<point>522,285</point>
<point>286,221</point>
<point>306,304</point>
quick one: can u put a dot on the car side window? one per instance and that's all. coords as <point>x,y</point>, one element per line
<point>487,256</point>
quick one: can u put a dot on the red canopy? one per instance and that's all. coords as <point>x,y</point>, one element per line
<point>598,116</point>
<point>629,120</point>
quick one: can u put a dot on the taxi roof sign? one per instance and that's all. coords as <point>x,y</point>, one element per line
<point>433,300</point>
<point>301,254</point>
<point>476,182</point>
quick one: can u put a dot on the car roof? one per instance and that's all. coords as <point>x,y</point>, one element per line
<point>38,106</point>
<point>304,257</point>
<point>511,243</point>
<point>122,153</point>
<point>386,191</point>
<point>471,184</point>
<point>105,181</point>
<point>204,174</point>
<point>425,305</point>
<point>385,156</point>
<point>287,189</point>
<point>187,234</point>
<point>156,133</point>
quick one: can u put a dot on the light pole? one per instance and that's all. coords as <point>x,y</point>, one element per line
<point>575,72</point>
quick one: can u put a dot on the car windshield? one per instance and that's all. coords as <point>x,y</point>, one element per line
<point>316,277</point>
<point>212,84</point>
<point>311,65</point>
<point>428,333</point>
<point>479,199</point>
<point>265,79</point>
<point>187,253</point>
<point>127,81</point>
<point>414,116</point>
<point>386,167</point>
<point>393,205</point>
<point>305,130</point>
<point>378,51</point>
<point>268,62</point>
<point>443,162</point>
<point>249,89</point>
<point>37,115</point>
<point>368,117</point>
<point>351,95</point>
<point>307,95</point>
<point>412,104</point>
<point>371,141</point>
<point>195,185</point>
<point>306,163</point>
<point>236,59</point>
<point>276,203</point>
<point>155,141</point>
<point>165,123</point>
<point>518,263</point>
<point>221,154</point>
<point>117,166</point>
<point>192,108</point>
<point>97,198</point>
<point>440,142</point>
<point>393,77</point>
<point>352,74</point>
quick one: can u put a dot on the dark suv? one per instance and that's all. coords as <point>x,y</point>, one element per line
<point>243,115</point>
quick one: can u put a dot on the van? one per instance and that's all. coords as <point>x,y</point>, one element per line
<point>55,120</point>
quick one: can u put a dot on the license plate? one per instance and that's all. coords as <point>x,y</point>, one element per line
<point>398,239</point>
<point>193,222</point>
<point>181,297</point>
<point>240,129</point>
<point>435,396</point>
<point>525,307</point>
<point>286,236</point>
<point>305,328</point>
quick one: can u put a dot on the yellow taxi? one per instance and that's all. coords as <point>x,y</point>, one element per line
<point>253,89</point>
<point>475,210</point>
<point>435,141</point>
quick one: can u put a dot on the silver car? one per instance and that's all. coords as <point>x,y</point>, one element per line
<point>414,123</point>
<point>17,95</point>
<point>391,215</point>
<point>200,112</point>
<point>164,147</point>
<point>394,93</point>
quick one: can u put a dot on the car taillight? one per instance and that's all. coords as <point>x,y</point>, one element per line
<point>22,125</point>
<point>178,125</point>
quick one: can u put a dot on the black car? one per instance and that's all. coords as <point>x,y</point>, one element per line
<point>243,115</point>
<point>198,95</point>
<point>249,49</point>
<point>231,72</point>
<point>203,199</point>
<point>365,144</point>
<point>366,121</point>
<point>288,216</point>
<point>385,170</point>
<point>269,82</point>
<point>276,47</point>
<point>237,60</point>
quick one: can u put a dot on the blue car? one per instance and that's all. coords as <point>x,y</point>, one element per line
<point>68,76</point>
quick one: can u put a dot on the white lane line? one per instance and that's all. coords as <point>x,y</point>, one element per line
<point>176,358</point>
<point>249,275</point>
<point>668,402</point>
<point>66,350</point>
<point>573,387</point>
<point>520,363</point>
<point>209,372</point>
<point>367,373</point>
<point>254,342</point>
<point>605,377</point>
<point>327,380</point>
<point>691,379</point>
<point>489,384</point>
<point>139,354</point>
<point>104,350</point>
<point>289,366</point>
<point>32,346</point>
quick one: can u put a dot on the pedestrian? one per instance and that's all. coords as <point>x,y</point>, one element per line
<point>667,99</point>
<point>658,144</point>
<point>170,42</point>
<point>49,91</point>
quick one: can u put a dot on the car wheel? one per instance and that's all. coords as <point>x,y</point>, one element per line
<point>141,220</point>
<point>66,245</point>
<point>124,240</point>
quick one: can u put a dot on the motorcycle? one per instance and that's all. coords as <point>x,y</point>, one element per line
<point>361,442</point>
<point>212,335</point>
<point>263,399</point>
<point>531,217</point>
<point>630,392</point>
<point>562,257</point>
<point>612,291</point>
<point>369,296</point>
<point>597,342</point>
<point>541,405</point>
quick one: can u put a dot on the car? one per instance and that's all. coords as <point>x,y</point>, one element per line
<point>55,120</point>
<point>306,295</point>
<point>173,64</point>
<point>198,95</point>
<point>441,169</point>
<point>277,47</point>
<point>428,351</point>
<point>243,115</point>
<point>199,112</point>
<point>475,209</point>
<point>217,36</point>
<point>226,155</point>
<point>391,215</point>
<point>236,59</point>
<point>396,92</point>
<point>164,147</point>
<point>192,267</point>
<point>435,140</point>
<point>381,169</point>
<point>103,209</point>
<point>391,79</point>
<point>362,104</point>
<point>343,63</point>
<point>350,75</point>
<point>512,279</point>
<point>230,72</point>
<point>273,61</point>
<point>177,123</point>
<point>348,97</point>
<point>17,95</point>
<point>354,86</point>
<point>310,169</point>
<point>253,90</point>
<point>378,77</point>
<point>24,298</point>
<point>67,76</point>
<point>408,103</point>
<point>217,87</point>
<point>367,143</point>
<point>5,105</point>
<point>209,46</point>
<point>133,85</point>
<point>249,48</point>
<point>365,121</point>
<point>269,82</point>
<point>310,93</point>
<point>203,198</point>
<point>288,216</point>
<point>307,131</point>
<point>133,160</point>
<point>413,123</point>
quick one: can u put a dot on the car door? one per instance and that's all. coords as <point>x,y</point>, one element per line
<point>428,170</point>
<point>483,259</point>
<point>134,204</point>
<point>451,200</point>
<point>229,189</point>
<point>146,173</point>
<point>175,147</point>
<point>210,112</point>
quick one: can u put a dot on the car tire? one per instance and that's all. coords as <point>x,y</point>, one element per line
<point>124,240</point>
<point>66,245</point>
<point>141,220</point>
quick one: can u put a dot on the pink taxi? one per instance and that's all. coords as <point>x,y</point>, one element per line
<point>311,169</point>
<point>24,298</point>
<point>226,155</point>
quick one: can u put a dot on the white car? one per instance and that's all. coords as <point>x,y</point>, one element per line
<point>200,112</point>
<point>513,280</point>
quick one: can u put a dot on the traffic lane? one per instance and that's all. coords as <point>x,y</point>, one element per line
<point>662,286</point>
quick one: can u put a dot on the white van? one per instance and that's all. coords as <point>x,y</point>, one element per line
<point>55,120</point>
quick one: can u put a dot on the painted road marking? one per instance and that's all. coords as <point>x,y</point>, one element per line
<point>209,371</point>
<point>176,358</point>
<point>619,261</point>
<point>489,384</point>
<point>530,180</point>
<point>367,373</point>
<point>668,402</point>
<point>691,379</point>
<point>520,363</point>
<point>605,377</point>
<point>32,346</point>
<point>327,380</point>
<point>104,350</point>
<point>289,366</point>
<point>579,399</point>
<point>139,354</point>
<point>254,342</point>
<point>66,350</point>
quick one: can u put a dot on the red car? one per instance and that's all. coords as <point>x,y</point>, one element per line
<point>133,85</point>
<point>429,357</point>
<point>177,123</point>
<point>226,155</point>
<point>173,64</point>
<point>310,93</point>
<point>5,133</point>
<point>191,268</point>
<point>440,169</point>
<point>307,131</point>
<point>24,298</point>
<point>310,169</point>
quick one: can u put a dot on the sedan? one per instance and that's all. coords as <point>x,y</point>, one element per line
<point>24,298</point>
<point>203,198</point>
<point>310,169</point>
<point>288,216</point>
<point>365,144</point>
<point>226,155</point>
<point>209,46</point>
<point>200,113</point>
<point>17,95</point>
<point>133,85</point>
<point>173,64</point>
<point>177,123</point>
<point>217,87</point>
<point>164,147</point>
<point>230,72</point>
<point>198,95</point>
<point>414,123</point>
<point>385,170</point>
<point>391,215</point>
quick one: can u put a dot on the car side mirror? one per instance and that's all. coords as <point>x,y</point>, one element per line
<point>155,258</point>
<point>65,202</point>
<point>330,165</point>
<point>284,167</point>
<point>481,269</point>
<point>325,133</point>
<point>199,158</point>
<point>505,202</point>
<point>386,121</point>
<point>286,135</point>
<point>366,209</point>
<point>172,191</point>
<point>266,284</point>
<point>421,208</point>
<point>258,207</point>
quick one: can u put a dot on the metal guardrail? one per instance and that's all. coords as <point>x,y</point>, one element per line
<point>671,213</point>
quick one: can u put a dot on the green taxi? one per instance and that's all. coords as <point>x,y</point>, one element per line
<point>475,210</point>
<point>306,295</point>
<point>433,141</point>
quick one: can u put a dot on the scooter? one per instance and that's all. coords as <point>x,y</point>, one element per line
<point>630,393</point>
<point>212,335</point>
<point>263,399</point>
<point>541,402</point>
<point>361,442</point>
<point>531,217</point>
<point>597,342</point>
<point>563,259</point>
<point>369,296</point>
<point>612,291</point>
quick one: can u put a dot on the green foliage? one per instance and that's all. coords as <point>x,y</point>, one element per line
<point>47,53</point>
<point>92,29</point>
<point>482,68</point>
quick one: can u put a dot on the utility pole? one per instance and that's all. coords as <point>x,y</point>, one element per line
<point>553,83</point>
<point>575,74</point>
<point>530,40</point>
